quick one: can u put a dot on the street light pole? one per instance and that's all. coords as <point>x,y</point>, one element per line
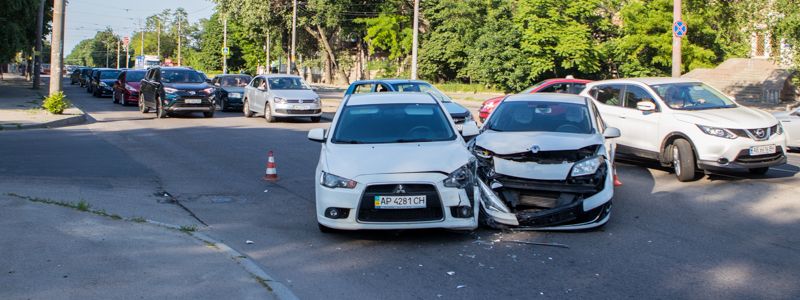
<point>676,40</point>
<point>37,48</point>
<point>57,45</point>
<point>415,42</point>
<point>225,46</point>
<point>294,34</point>
<point>118,44</point>
<point>158,48</point>
<point>269,63</point>
<point>179,41</point>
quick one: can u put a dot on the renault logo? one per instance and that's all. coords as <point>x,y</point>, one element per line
<point>535,149</point>
<point>399,189</point>
<point>760,133</point>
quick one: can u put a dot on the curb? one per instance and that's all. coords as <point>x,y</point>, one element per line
<point>74,120</point>
<point>280,290</point>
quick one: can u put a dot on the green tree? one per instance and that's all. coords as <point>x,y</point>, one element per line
<point>18,19</point>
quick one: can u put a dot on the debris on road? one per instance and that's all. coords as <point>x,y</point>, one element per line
<point>249,242</point>
<point>537,243</point>
<point>461,286</point>
<point>451,273</point>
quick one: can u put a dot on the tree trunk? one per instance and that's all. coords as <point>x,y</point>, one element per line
<point>321,37</point>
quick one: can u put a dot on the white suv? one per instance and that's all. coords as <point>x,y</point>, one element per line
<point>395,161</point>
<point>688,125</point>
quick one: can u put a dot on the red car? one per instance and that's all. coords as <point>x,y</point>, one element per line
<point>126,88</point>
<point>555,85</point>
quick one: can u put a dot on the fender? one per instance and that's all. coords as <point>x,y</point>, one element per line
<point>664,158</point>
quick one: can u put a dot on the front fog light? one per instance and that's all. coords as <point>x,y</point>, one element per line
<point>587,166</point>
<point>333,181</point>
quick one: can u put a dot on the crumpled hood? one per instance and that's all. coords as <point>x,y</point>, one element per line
<point>351,161</point>
<point>504,143</point>
<point>734,118</point>
<point>188,86</point>
<point>295,94</point>
<point>455,109</point>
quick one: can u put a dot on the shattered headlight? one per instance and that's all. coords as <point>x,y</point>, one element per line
<point>459,178</point>
<point>333,181</point>
<point>586,166</point>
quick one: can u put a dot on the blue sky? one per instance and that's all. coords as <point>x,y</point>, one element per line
<point>85,17</point>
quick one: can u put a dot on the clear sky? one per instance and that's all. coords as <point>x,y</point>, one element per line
<point>85,17</point>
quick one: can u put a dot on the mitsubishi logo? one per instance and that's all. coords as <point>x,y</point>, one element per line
<point>535,149</point>
<point>399,189</point>
<point>760,133</point>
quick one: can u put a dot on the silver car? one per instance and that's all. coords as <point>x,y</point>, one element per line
<point>790,122</point>
<point>277,95</point>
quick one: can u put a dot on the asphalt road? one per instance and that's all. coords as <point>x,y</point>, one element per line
<point>725,236</point>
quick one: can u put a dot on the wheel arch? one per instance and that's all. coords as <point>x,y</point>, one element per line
<point>668,140</point>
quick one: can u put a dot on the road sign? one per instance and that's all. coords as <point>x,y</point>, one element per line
<point>225,50</point>
<point>126,40</point>
<point>679,28</point>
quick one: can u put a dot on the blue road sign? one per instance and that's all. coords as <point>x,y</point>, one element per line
<point>679,28</point>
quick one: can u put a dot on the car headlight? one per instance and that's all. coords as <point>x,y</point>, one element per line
<point>317,99</point>
<point>459,178</point>
<point>208,91</point>
<point>279,100</point>
<point>333,181</point>
<point>103,84</point>
<point>718,132</point>
<point>130,88</point>
<point>780,129</point>
<point>587,166</point>
<point>170,90</point>
<point>234,95</point>
<point>482,153</point>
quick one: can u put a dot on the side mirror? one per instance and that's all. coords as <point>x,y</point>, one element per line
<point>317,135</point>
<point>470,129</point>
<point>611,132</point>
<point>646,106</point>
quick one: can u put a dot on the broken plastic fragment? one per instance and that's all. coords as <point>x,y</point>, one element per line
<point>451,273</point>
<point>248,242</point>
<point>461,286</point>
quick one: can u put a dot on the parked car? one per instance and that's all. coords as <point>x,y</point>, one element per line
<point>567,85</point>
<point>45,69</point>
<point>688,125</point>
<point>394,161</point>
<point>229,90</point>
<point>102,82</point>
<point>544,163</point>
<point>85,74</point>
<point>75,76</point>
<point>90,79</point>
<point>176,89</point>
<point>126,87</point>
<point>276,96</point>
<point>459,113</point>
<point>790,121</point>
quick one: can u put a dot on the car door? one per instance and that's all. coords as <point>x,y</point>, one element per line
<point>791,125</point>
<point>608,98</point>
<point>644,125</point>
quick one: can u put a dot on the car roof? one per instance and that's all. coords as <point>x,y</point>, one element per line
<point>279,76</point>
<point>649,80</point>
<point>547,97</point>
<point>176,68</point>
<point>231,75</point>
<point>567,80</point>
<point>390,97</point>
<point>391,81</point>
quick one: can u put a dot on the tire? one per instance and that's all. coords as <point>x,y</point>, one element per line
<point>268,114</point>
<point>160,111</point>
<point>208,114</point>
<point>142,106</point>
<point>246,109</point>
<point>316,119</point>
<point>683,162</point>
<point>222,106</point>
<point>758,171</point>
<point>325,229</point>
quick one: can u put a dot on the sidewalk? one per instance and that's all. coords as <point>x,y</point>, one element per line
<point>20,106</point>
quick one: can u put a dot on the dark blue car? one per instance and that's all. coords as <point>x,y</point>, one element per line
<point>460,114</point>
<point>230,90</point>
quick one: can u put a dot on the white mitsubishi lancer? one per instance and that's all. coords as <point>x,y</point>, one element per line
<point>394,161</point>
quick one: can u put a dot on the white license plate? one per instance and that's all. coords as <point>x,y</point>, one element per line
<point>192,101</point>
<point>302,107</point>
<point>400,202</point>
<point>762,150</point>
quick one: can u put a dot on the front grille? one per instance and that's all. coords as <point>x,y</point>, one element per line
<point>758,134</point>
<point>298,111</point>
<point>301,101</point>
<point>552,157</point>
<point>432,212</point>
<point>745,157</point>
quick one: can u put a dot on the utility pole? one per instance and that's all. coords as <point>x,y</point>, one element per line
<point>141,53</point>
<point>37,48</point>
<point>127,54</point>
<point>118,44</point>
<point>415,42</point>
<point>294,35</point>
<point>158,25</point>
<point>676,40</point>
<point>107,50</point>
<point>225,46</point>
<point>56,47</point>
<point>179,41</point>
<point>269,63</point>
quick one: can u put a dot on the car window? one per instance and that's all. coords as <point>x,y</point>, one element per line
<point>363,88</point>
<point>287,83</point>
<point>181,76</point>
<point>692,96</point>
<point>392,123</point>
<point>233,81</point>
<point>634,94</point>
<point>543,116</point>
<point>109,74</point>
<point>134,76</point>
<point>609,94</point>
<point>600,123</point>
<point>421,87</point>
<point>576,88</point>
<point>382,88</point>
<point>555,88</point>
<point>255,82</point>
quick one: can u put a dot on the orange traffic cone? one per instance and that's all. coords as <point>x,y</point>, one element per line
<point>616,178</point>
<point>272,172</point>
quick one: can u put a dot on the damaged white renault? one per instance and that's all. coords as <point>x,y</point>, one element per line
<point>394,161</point>
<point>543,163</point>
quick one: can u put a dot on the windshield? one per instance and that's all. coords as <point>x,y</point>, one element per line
<point>421,87</point>
<point>287,83</point>
<point>134,76</point>
<point>181,76</point>
<point>392,123</point>
<point>692,96</point>
<point>541,116</point>
<point>533,87</point>
<point>109,74</point>
<point>234,81</point>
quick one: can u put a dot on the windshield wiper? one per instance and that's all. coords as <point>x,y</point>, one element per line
<point>411,140</point>
<point>346,142</point>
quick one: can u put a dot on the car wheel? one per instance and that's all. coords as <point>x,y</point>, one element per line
<point>268,114</point>
<point>325,229</point>
<point>246,109</point>
<point>142,106</point>
<point>222,105</point>
<point>316,119</point>
<point>683,161</point>
<point>758,171</point>
<point>161,112</point>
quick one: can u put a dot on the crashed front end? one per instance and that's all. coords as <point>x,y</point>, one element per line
<point>546,190</point>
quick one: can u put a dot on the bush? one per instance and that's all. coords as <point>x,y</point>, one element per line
<point>56,103</point>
